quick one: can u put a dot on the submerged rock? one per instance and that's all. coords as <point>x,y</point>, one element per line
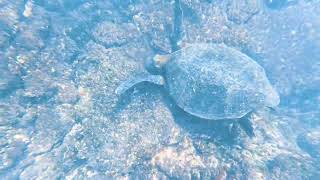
<point>61,62</point>
<point>310,142</point>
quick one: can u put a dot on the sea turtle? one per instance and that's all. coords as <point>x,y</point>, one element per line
<point>211,81</point>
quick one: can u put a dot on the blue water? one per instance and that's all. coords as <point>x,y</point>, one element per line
<point>62,60</point>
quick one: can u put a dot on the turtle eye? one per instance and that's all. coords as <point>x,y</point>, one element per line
<point>158,62</point>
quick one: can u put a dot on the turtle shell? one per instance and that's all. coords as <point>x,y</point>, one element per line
<point>213,81</point>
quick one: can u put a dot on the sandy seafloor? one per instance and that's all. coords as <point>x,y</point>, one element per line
<point>61,61</point>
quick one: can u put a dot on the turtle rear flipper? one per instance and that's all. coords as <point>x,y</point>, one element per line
<point>140,78</point>
<point>246,124</point>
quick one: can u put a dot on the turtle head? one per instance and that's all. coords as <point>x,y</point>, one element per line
<point>272,98</point>
<point>160,60</point>
<point>156,64</point>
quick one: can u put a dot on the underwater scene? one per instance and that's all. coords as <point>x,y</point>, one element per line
<point>160,89</point>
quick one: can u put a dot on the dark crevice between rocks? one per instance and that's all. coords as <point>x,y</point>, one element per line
<point>177,26</point>
<point>81,34</point>
<point>250,17</point>
<point>56,144</point>
<point>11,36</point>
<point>13,87</point>
<point>189,14</point>
<point>308,147</point>
<point>243,18</point>
<point>122,9</point>
<point>47,97</point>
<point>77,163</point>
<point>59,6</point>
<point>17,165</point>
<point>6,172</point>
<point>111,45</point>
<point>279,4</point>
<point>14,83</point>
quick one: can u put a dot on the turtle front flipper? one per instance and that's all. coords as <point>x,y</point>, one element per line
<point>140,78</point>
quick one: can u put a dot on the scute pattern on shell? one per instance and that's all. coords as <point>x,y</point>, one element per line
<point>213,81</point>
